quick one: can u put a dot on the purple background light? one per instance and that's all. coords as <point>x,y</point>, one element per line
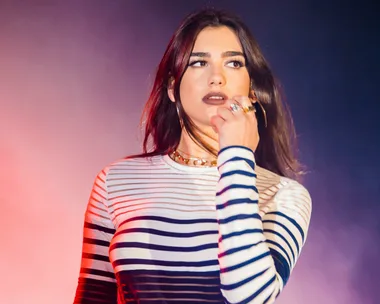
<point>74,76</point>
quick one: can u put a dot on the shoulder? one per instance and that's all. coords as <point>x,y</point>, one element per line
<point>292,191</point>
<point>133,163</point>
<point>128,166</point>
<point>293,202</point>
<point>284,191</point>
<point>284,200</point>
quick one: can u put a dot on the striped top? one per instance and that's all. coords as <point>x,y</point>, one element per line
<point>157,231</point>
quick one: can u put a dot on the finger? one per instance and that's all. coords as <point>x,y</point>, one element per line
<point>246,105</point>
<point>234,107</point>
<point>216,123</point>
<point>225,113</point>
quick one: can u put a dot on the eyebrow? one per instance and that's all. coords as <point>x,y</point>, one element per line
<point>224,54</point>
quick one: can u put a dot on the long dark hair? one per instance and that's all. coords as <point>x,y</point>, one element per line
<point>275,150</point>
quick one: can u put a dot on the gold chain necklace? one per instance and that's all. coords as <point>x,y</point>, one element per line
<point>192,161</point>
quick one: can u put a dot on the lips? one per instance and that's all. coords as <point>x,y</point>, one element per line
<point>215,98</point>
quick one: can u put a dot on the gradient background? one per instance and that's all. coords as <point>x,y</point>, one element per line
<point>74,76</point>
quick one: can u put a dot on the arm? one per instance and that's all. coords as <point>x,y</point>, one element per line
<point>256,255</point>
<point>97,282</point>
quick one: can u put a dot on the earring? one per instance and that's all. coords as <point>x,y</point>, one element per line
<point>261,107</point>
<point>264,113</point>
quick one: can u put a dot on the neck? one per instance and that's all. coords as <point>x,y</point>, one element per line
<point>188,148</point>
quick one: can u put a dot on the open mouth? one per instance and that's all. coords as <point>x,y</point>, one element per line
<point>215,98</point>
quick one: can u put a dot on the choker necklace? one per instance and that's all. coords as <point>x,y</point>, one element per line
<point>192,161</point>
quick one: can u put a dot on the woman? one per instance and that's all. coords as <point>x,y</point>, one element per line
<point>210,214</point>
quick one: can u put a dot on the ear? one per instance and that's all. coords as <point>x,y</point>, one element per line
<point>251,90</point>
<point>171,89</point>
<point>252,94</point>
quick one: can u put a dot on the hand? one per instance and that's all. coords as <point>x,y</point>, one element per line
<point>236,127</point>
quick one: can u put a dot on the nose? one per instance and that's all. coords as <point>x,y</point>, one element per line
<point>217,78</point>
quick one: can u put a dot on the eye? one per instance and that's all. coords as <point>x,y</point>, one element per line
<point>198,63</point>
<point>235,64</point>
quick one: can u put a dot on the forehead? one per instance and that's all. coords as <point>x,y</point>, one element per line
<point>217,39</point>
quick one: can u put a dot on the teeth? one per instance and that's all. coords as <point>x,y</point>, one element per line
<point>215,97</point>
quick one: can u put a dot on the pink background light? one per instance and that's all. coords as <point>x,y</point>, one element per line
<point>73,81</point>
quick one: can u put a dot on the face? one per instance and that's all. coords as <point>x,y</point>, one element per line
<point>216,64</point>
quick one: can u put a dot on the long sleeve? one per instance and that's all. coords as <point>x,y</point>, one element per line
<point>256,254</point>
<point>97,282</point>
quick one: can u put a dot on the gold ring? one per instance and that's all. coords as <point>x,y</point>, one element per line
<point>250,108</point>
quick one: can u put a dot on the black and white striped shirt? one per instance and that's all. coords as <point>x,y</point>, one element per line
<point>160,232</point>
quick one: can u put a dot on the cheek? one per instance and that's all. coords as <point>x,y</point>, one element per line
<point>184,88</point>
<point>190,90</point>
<point>240,83</point>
